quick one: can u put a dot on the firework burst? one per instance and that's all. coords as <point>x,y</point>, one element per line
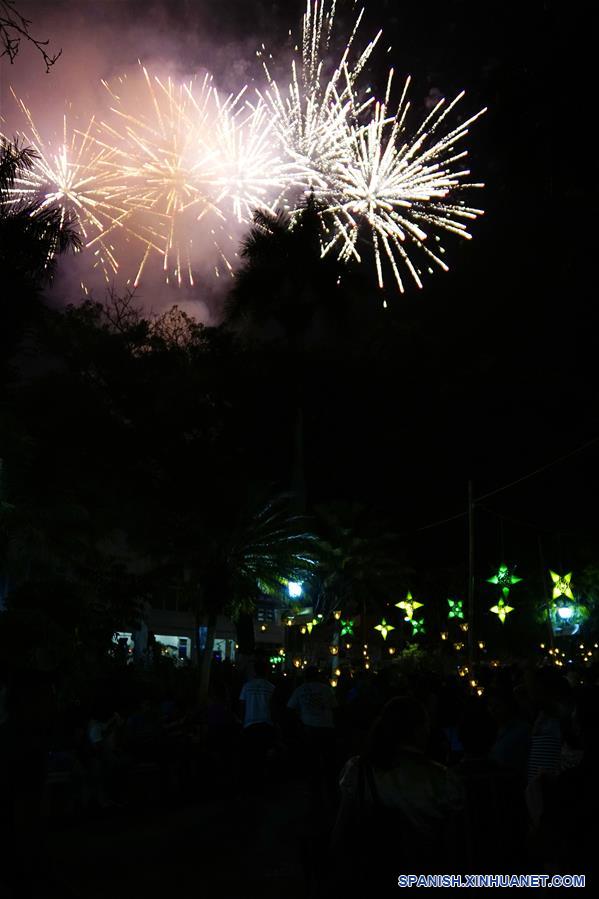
<point>399,186</point>
<point>311,115</point>
<point>175,168</point>
<point>68,173</point>
<point>160,153</point>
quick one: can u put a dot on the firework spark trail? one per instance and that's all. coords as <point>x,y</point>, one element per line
<point>311,115</point>
<point>178,164</point>
<point>160,156</point>
<point>396,185</point>
<point>251,171</point>
<point>362,163</point>
<point>68,174</point>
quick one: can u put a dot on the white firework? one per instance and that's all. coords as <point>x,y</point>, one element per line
<point>400,187</point>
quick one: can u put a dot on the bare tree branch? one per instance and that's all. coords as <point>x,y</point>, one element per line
<point>13,29</point>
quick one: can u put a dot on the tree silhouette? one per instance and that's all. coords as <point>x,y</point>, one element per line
<point>15,28</point>
<point>31,236</point>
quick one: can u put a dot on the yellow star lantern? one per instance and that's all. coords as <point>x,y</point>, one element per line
<point>409,606</point>
<point>384,628</point>
<point>311,624</point>
<point>502,610</point>
<point>561,585</point>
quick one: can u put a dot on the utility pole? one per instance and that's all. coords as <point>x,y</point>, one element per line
<point>470,575</point>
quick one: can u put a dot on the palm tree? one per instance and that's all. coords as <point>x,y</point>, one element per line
<point>361,566</point>
<point>286,283</point>
<point>31,236</point>
<point>288,291</point>
<point>257,554</point>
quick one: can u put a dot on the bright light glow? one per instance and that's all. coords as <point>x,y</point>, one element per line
<point>565,612</point>
<point>294,589</point>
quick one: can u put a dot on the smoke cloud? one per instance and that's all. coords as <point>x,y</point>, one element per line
<point>104,40</point>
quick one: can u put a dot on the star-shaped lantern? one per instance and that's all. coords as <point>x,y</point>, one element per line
<point>311,624</point>
<point>501,610</point>
<point>456,608</point>
<point>409,606</point>
<point>384,628</point>
<point>417,626</point>
<point>561,585</point>
<point>504,577</point>
<point>347,628</point>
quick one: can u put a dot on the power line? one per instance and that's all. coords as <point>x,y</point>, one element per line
<point>477,501</point>
<point>436,524</point>
<point>537,471</point>
<point>534,526</point>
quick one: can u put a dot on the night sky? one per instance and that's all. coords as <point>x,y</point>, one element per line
<point>490,371</point>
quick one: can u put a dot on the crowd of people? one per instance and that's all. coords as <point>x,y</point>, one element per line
<point>406,771</point>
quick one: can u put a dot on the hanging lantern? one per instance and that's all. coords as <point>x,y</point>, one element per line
<point>333,649</point>
<point>384,628</point>
<point>481,644</point>
<point>464,626</point>
<point>347,628</point>
<point>417,626</point>
<point>502,610</point>
<point>444,635</point>
<point>337,614</point>
<point>566,614</point>
<point>561,585</point>
<point>504,577</point>
<point>409,606</point>
<point>392,650</point>
<point>456,608</point>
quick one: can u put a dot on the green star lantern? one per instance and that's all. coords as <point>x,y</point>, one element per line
<point>384,628</point>
<point>504,577</point>
<point>409,606</point>
<point>561,585</point>
<point>502,610</point>
<point>456,608</point>
<point>347,628</point>
<point>417,626</point>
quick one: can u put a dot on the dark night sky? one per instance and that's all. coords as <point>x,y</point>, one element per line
<point>489,372</point>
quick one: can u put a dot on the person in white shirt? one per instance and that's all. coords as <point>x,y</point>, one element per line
<point>315,703</point>
<point>255,697</point>
<point>258,730</point>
